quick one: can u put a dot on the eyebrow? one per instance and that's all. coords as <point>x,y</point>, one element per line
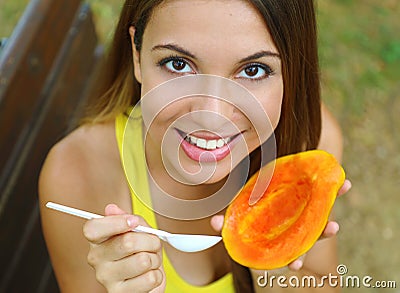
<point>176,48</point>
<point>259,55</point>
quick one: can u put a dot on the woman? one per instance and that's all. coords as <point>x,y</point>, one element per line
<point>267,47</point>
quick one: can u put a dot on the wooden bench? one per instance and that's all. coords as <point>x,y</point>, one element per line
<point>46,71</point>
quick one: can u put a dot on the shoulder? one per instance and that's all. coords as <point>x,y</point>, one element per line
<point>83,171</point>
<point>331,134</point>
<point>83,168</point>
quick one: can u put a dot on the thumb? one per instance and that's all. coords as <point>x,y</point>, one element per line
<point>113,210</point>
<point>217,222</point>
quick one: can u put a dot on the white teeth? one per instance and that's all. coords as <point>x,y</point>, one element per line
<point>201,143</point>
<point>193,140</point>
<point>211,144</point>
<point>207,144</point>
<point>220,143</point>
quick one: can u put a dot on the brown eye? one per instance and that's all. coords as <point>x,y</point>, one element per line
<point>255,72</point>
<point>178,65</point>
<point>252,71</point>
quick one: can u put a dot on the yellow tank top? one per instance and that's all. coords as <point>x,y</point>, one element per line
<point>134,163</point>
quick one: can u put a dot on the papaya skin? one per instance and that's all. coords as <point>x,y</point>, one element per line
<point>289,217</point>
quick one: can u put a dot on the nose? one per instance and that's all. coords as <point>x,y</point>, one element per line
<point>211,112</point>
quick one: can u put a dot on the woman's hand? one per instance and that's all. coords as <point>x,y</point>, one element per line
<point>331,228</point>
<point>124,261</point>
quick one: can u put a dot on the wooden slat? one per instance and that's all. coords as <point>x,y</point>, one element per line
<point>23,254</point>
<point>26,63</point>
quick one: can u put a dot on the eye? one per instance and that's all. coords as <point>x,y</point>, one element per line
<point>255,72</point>
<point>176,65</point>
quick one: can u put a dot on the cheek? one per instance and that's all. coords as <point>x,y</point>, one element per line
<point>271,102</point>
<point>150,75</point>
<point>273,109</point>
<point>164,117</point>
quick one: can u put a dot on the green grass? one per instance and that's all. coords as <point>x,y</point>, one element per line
<point>360,58</point>
<point>358,49</point>
<point>10,11</point>
<point>360,65</point>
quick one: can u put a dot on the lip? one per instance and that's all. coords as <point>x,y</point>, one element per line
<point>207,135</point>
<point>200,155</point>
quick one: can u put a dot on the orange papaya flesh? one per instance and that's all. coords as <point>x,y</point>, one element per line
<point>289,217</point>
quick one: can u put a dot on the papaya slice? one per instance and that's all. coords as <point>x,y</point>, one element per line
<point>289,217</point>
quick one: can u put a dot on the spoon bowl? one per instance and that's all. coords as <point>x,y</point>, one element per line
<point>192,243</point>
<point>182,242</point>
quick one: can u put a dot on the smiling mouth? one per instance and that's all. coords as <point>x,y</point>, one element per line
<point>207,144</point>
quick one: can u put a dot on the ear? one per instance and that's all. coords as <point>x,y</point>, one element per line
<point>136,56</point>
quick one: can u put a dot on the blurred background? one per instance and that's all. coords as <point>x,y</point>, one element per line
<point>360,65</point>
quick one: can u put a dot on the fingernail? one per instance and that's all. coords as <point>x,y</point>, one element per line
<point>332,230</point>
<point>297,265</point>
<point>349,183</point>
<point>218,220</point>
<point>335,227</point>
<point>132,221</point>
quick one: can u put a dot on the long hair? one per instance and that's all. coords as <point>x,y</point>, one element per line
<point>292,26</point>
<point>117,88</point>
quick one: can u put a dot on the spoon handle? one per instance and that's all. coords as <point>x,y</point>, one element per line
<point>72,211</point>
<point>88,216</point>
<point>159,233</point>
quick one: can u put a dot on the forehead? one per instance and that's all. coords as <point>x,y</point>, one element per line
<point>213,7</point>
<point>232,22</point>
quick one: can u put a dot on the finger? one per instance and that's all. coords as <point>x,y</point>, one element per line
<point>139,264</point>
<point>297,264</point>
<point>128,244</point>
<point>108,273</point>
<point>134,265</point>
<point>99,230</point>
<point>345,187</point>
<point>217,222</point>
<point>113,210</point>
<point>331,229</point>
<point>143,283</point>
<point>122,247</point>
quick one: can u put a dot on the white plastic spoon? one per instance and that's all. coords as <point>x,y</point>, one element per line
<point>183,242</point>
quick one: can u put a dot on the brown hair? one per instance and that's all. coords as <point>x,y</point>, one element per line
<point>116,88</point>
<point>292,25</point>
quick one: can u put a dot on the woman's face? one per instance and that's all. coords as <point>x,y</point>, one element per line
<point>224,38</point>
